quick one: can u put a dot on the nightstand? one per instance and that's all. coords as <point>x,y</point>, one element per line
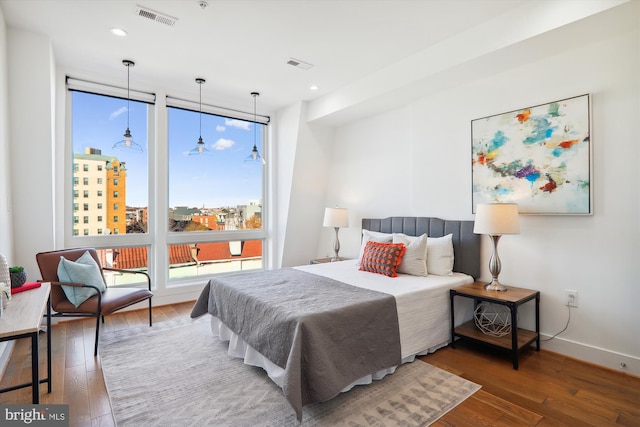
<point>324,260</point>
<point>512,298</point>
<point>320,260</point>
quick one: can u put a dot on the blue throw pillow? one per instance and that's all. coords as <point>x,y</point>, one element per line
<point>83,270</point>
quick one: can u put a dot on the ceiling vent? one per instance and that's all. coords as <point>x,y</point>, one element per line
<point>147,13</point>
<point>299,64</point>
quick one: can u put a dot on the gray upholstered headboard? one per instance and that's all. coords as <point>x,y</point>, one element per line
<point>466,244</point>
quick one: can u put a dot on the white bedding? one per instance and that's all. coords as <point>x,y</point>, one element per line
<point>423,313</point>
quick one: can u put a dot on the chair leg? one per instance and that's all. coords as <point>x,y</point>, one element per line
<point>150,316</point>
<point>95,351</point>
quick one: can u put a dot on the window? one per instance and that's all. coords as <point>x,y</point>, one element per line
<point>86,220</point>
<point>101,120</point>
<point>206,259</point>
<point>76,206</point>
<point>76,180</point>
<point>236,204</point>
<point>213,205</point>
<point>76,194</point>
<point>76,220</point>
<point>226,197</point>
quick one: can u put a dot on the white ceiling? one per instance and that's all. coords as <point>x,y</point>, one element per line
<point>367,54</point>
<point>240,46</point>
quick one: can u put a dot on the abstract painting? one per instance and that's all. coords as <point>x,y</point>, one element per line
<point>538,157</point>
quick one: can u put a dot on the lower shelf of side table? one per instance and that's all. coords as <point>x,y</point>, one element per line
<point>469,330</point>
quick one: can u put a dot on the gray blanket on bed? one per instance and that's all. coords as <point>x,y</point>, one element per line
<point>324,334</point>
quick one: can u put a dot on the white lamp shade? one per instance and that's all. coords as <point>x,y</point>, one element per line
<point>336,217</point>
<point>497,219</point>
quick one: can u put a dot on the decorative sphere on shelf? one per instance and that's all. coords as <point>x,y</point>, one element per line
<point>493,319</point>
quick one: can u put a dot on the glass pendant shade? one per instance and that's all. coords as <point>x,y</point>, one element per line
<point>127,143</point>
<point>200,149</point>
<point>255,155</point>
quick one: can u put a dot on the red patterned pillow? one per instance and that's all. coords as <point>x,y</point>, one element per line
<point>382,258</point>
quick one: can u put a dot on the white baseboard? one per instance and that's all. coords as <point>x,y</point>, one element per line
<point>597,356</point>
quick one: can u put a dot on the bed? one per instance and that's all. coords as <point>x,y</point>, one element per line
<point>318,330</point>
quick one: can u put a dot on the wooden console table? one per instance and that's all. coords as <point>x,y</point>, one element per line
<point>22,319</point>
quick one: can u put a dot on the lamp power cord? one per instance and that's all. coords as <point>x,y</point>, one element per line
<point>565,326</point>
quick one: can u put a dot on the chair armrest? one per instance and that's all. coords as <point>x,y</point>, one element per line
<point>82,285</point>
<point>77,285</point>
<point>119,270</point>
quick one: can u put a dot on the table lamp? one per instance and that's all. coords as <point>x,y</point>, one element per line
<point>336,218</point>
<point>496,219</point>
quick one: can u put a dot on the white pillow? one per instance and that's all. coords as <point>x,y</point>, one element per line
<point>373,236</point>
<point>414,261</point>
<point>440,255</point>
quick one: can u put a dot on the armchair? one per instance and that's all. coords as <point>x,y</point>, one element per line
<point>103,303</point>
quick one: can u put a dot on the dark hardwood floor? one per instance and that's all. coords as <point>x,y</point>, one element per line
<point>547,390</point>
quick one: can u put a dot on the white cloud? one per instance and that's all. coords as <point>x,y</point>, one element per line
<point>220,128</point>
<point>118,112</point>
<point>240,124</point>
<point>223,144</point>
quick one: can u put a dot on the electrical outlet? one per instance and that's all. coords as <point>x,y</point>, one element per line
<point>572,298</point>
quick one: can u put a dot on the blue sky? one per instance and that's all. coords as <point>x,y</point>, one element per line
<point>219,179</point>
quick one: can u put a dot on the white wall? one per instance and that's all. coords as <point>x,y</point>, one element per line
<point>32,96</point>
<point>418,162</point>
<point>301,174</point>
<point>6,233</point>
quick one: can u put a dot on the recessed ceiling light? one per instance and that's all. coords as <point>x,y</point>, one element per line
<point>118,32</point>
<point>313,87</point>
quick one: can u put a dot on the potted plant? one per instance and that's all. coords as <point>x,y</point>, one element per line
<point>18,276</point>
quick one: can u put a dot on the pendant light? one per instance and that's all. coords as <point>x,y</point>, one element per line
<point>127,143</point>
<point>255,156</point>
<point>200,149</point>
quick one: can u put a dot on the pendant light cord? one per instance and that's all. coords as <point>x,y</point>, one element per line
<point>255,118</point>
<point>128,97</point>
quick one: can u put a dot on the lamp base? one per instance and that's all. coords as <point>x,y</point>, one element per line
<point>335,258</point>
<point>494,285</point>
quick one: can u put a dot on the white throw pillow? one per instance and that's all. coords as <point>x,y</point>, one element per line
<point>440,255</point>
<point>373,236</point>
<point>414,261</point>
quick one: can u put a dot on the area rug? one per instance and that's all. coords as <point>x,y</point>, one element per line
<point>177,373</point>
